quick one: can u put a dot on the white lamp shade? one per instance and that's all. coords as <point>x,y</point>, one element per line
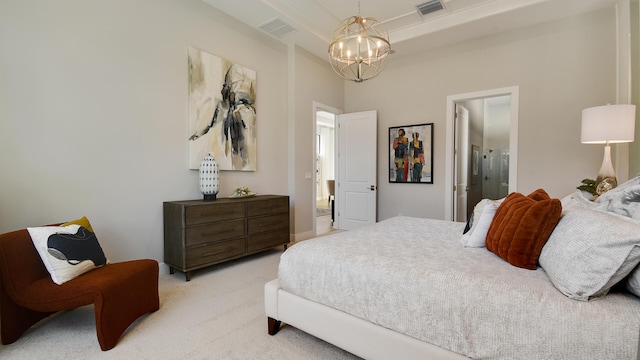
<point>608,123</point>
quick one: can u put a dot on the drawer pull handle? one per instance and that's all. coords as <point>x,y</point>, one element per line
<point>215,233</point>
<point>213,253</point>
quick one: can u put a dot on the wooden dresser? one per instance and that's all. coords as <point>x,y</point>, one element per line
<point>200,233</point>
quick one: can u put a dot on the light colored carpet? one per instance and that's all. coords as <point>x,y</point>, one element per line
<point>219,314</point>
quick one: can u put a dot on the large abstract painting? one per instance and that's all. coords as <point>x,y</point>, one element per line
<point>222,112</point>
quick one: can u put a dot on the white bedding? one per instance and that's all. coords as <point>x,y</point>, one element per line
<point>413,276</point>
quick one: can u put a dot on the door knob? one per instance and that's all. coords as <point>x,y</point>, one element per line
<point>372,188</point>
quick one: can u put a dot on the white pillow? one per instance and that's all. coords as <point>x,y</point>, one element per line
<point>623,200</point>
<point>589,251</point>
<point>633,281</point>
<point>576,199</point>
<point>67,251</point>
<point>483,214</point>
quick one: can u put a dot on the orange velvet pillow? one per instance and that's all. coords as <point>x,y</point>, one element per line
<point>521,227</point>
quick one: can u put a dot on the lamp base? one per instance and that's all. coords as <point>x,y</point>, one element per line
<point>209,197</point>
<point>606,179</point>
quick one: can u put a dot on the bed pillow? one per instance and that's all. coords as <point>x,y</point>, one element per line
<point>623,200</point>
<point>67,251</point>
<point>576,199</point>
<point>590,251</point>
<point>480,220</point>
<point>521,227</point>
<point>633,281</point>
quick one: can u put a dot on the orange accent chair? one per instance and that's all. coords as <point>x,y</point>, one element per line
<point>121,292</point>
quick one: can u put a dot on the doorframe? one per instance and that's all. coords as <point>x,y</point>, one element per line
<point>460,164</point>
<point>449,177</point>
<point>317,106</point>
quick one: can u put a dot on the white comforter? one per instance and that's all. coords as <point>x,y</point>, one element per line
<point>413,276</point>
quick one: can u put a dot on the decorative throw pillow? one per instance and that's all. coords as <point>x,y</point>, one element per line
<point>83,221</point>
<point>589,251</point>
<point>67,251</point>
<point>521,227</point>
<point>539,195</point>
<point>481,218</point>
<point>469,224</point>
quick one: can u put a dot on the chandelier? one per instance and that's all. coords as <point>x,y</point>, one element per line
<point>359,48</point>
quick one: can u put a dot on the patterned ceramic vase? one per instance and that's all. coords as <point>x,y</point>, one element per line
<point>209,177</point>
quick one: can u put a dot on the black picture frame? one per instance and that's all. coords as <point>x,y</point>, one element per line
<point>411,159</point>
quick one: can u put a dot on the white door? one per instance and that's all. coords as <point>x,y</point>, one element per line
<point>461,162</point>
<point>356,185</point>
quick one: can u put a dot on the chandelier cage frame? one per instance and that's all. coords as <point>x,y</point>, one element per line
<point>359,48</point>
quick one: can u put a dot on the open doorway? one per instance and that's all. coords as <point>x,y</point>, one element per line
<point>482,148</point>
<point>325,126</point>
<point>482,156</point>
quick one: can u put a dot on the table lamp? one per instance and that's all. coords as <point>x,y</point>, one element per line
<point>608,124</point>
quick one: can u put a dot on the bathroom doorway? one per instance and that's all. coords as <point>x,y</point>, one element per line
<point>488,151</point>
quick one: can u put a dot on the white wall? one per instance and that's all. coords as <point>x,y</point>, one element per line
<point>560,68</point>
<point>314,81</point>
<point>93,110</point>
<point>93,113</point>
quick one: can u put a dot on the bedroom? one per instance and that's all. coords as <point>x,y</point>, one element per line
<point>102,86</point>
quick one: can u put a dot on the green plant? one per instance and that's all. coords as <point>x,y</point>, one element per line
<point>589,186</point>
<point>241,191</point>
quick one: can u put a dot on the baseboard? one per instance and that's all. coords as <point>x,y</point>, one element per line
<point>304,236</point>
<point>163,268</point>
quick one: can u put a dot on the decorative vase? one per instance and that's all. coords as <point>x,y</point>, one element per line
<point>209,177</point>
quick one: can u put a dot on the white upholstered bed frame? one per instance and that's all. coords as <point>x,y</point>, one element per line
<point>355,335</point>
<point>358,336</point>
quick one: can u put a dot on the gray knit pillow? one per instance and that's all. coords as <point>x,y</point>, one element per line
<point>589,251</point>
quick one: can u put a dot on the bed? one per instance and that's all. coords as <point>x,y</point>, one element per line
<point>412,288</point>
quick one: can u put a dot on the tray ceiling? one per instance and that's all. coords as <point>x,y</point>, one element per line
<point>309,23</point>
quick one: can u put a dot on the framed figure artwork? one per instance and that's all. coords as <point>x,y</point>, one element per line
<point>411,154</point>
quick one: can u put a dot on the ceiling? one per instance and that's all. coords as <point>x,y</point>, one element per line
<point>309,23</point>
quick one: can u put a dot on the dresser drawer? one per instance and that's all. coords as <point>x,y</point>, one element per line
<point>202,234</point>
<point>213,253</point>
<point>201,214</point>
<point>266,207</point>
<point>268,240</point>
<point>267,223</point>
